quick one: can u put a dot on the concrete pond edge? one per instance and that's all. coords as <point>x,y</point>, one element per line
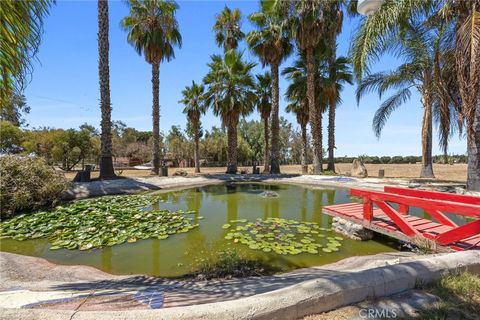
<point>310,297</point>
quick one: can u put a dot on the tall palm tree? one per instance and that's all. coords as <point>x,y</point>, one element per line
<point>467,36</point>
<point>299,107</point>
<point>263,91</point>
<point>21,28</point>
<point>153,30</point>
<point>230,93</point>
<point>335,77</point>
<point>306,26</point>
<point>227,29</point>
<point>333,21</point>
<point>421,46</point>
<point>271,43</point>
<point>106,163</point>
<point>194,101</point>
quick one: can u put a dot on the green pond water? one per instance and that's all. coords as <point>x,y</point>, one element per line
<point>218,205</point>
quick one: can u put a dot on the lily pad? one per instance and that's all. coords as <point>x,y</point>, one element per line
<point>98,222</point>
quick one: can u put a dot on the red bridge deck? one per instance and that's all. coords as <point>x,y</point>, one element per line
<point>377,214</point>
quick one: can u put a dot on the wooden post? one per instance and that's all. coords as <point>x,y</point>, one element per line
<point>367,209</point>
<point>403,209</point>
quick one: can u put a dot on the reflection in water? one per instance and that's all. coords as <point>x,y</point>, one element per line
<point>218,204</point>
<point>106,258</point>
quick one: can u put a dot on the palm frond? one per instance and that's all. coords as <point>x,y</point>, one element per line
<point>386,109</point>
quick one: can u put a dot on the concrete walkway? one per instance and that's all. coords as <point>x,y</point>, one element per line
<point>132,185</point>
<point>33,288</point>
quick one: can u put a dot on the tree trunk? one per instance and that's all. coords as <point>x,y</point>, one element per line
<point>197,148</point>
<point>304,149</point>
<point>314,114</point>
<point>332,105</point>
<point>156,118</point>
<point>427,161</point>
<point>275,150</point>
<point>473,171</point>
<point>331,135</point>
<point>232,147</point>
<point>266,151</point>
<point>106,163</point>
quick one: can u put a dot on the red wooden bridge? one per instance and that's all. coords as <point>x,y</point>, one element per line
<point>388,213</point>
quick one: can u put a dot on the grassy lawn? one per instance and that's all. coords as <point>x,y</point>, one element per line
<point>459,297</point>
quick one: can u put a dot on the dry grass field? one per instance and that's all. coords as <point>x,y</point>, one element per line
<point>456,172</point>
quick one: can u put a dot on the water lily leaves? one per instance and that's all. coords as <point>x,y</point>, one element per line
<point>98,222</point>
<point>282,236</point>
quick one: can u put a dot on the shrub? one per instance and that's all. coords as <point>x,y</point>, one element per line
<point>27,184</point>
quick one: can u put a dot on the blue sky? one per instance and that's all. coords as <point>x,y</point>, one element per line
<point>64,90</point>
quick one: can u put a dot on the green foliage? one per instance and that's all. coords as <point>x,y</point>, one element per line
<point>98,222</point>
<point>228,264</point>
<point>10,137</point>
<point>66,147</point>
<point>22,27</point>
<point>459,294</point>
<point>228,29</point>
<point>27,184</point>
<point>153,29</point>
<point>282,236</point>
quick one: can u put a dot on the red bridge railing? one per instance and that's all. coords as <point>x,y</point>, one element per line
<point>395,203</point>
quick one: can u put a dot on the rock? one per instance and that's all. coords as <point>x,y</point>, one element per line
<point>351,230</point>
<point>358,169</point>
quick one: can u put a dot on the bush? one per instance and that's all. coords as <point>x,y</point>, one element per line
<point>27,184</point>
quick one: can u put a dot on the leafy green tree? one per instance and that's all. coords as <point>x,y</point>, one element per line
<point>271,43</point>
<point>228,29</point>
<point>153,30</point>
<point>230,93</point>
<point>10,137</point>
<point>263,91</point>
<point>251,132</point>
<point>194,101</point>
<point>15,109</point>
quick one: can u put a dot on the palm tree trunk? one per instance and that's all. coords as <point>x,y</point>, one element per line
<point>314,114</point>
<point>106,163</point>
<point>332,104</point>
<point>156,118</point>
<point>303,158</point>
<point>232,146</point>
<point>275,151</point>
<point>427,161</point>
<point>266,151</point>
<point>197,148</point>
<point>473,171</point>
<point>331,135</point>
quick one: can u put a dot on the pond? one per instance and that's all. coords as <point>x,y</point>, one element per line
<point>218,209</point>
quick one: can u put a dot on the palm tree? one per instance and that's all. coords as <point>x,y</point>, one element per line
<point>333,21</point>
<point>106,164</point>
<point>230,93</point>
<point>306,26</point>
<point>467,55</point>
<point>194,101</point>
<point>270,42</point>
<point>22,27</point>
<point>227,29</point>
<point>419,44</point>
<point>153,30</point>
<point>335,77</point>
<point>300,108</point>
<point>263,91</point>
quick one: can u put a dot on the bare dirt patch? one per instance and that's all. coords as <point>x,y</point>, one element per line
<point>456,172</point>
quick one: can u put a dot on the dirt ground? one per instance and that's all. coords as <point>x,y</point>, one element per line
<point>456,172</point>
